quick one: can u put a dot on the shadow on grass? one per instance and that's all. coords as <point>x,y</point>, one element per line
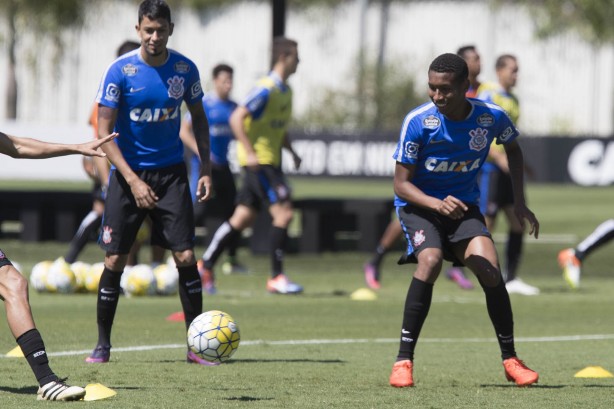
<point>247,398</point>
<point>511,385</point>
<point>255,361</point>
<point>26,390</point>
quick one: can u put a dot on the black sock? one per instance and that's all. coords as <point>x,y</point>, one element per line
<point>33,348</point>
<point>190,293</point>
<point>222,237</point>
<point>89,223</point>
<point>513,253</point>
<point>279,237</point>
<point>380,252</point>
<point>417,305</point>
<point>500,313</point>
<point>108,298</point>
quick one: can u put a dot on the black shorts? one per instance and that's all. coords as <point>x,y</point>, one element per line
<point>427,229</point>
<point>172,219</point>
<point>267,186</point>
<point>222,203</point>
<point>4,260</point>
<point>497,191</point>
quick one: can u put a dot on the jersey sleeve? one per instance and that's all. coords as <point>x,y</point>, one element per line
<point>256,101</point>
<point>410,141</point>
<point>195,90</point>
<point>111,87</point>
<point>507,132</point>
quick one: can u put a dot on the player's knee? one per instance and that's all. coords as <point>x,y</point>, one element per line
<point>184,258</point>
<point>16,286</point>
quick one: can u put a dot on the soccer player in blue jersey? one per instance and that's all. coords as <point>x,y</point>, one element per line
<point>441,149</point>
<point>260,125</point>
<point>14,286</point>
<point>140,95</point>
<point>218,107</point>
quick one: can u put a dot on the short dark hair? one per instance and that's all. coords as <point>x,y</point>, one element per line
<point>281,46</point>
<point>503,59</point>
<point>154,9</point>
<point>462,51</point>
<point>221,68</point>
<point>451,63</point>
<point>127,46</point>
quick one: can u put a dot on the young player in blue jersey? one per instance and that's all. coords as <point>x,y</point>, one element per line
<point>140,95</point>
<point>260,125</point>
<point>442,146</point>
<point>218,107</point>
<point>393,231</point>
<point>14,286</point>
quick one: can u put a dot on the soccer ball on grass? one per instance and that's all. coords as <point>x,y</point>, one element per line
<point>214,336</point>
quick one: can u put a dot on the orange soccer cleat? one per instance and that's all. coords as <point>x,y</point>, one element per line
<point>402,374</point>
<point>517,371</point>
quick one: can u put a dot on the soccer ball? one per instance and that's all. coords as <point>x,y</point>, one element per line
<point>81,271</point>
<point>167,279</point>
<point>60,278</point>
<point>38,276</point>
<point>214,336</point>
<point>138,280</point>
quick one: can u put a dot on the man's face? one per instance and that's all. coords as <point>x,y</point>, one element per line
<point>447,93</point>
<point>223,84</point>
<point>508,74</point>
<point>154,35</point>
<point>472,58</point>
<point>292,60</point>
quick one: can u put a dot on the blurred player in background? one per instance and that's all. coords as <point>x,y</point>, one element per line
<point>393,232</point>
<point>14,286</point>
<point>218,107</point>
<point>140,95</point>
<point>571,259</point>
<point>495,180</point>
<point>260,125</point>
<point>441,148</point>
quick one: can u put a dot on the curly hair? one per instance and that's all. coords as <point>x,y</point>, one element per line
<point>451,63</point>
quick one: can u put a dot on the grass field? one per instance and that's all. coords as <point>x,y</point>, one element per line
<point>323,350</point>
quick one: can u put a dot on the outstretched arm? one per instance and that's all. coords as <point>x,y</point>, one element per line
<point>29,148</point>
<point>516,166</point>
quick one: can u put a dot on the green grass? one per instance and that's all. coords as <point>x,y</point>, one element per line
<point>457,360</point>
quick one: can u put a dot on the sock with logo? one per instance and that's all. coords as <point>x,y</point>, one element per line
<point>190,293</point>
<point>33,348</point>
<point>500,313</point>
<point>417,305</point>
<point>278,238</point>
<point>108,298</point>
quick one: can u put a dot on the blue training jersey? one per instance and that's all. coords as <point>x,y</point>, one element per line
<point>448,154</point>
<point>218,114</point>
<point>148,102</point>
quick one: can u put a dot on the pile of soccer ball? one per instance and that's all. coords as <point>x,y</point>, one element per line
<point>214,336</point>
<point>58,276</point>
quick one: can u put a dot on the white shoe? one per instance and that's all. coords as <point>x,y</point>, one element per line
<point>517,286</point>
<point>58,390</point>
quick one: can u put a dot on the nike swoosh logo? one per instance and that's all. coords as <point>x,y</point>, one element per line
<point>191,283</point>
<point>108,291</point>
<point>132,89</point>
<point>404,332</point>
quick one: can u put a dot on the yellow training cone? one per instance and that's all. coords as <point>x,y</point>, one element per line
<point>97,391</point>
<point>15,353</point>
<point>594,372</point>
<point>363,294</point>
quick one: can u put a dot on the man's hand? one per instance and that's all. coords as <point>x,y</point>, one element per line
<point>92,148</point>
<point>203,189</point>
<point>143,194</point>
<point>452,207</point>
<point>523,213</point>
